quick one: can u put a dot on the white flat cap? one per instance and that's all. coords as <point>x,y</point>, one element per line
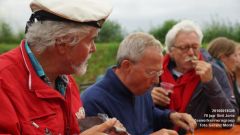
<point>89,12</point>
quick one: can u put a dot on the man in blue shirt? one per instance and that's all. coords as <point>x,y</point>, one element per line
<point>123,91</point>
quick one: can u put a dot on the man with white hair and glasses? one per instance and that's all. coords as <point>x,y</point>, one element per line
<point>38,95</point>
<point>200,86</point>
<point>124,92</point>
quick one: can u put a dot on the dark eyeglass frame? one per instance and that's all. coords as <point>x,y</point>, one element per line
<point>187,48</point>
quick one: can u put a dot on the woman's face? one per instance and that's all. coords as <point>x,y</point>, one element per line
<point>230,61</point>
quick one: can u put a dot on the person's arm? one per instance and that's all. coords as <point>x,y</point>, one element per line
<point>221,77</point>
<point>218,99</point>
<point>160,97</point>
<point>166,119</point>
<point>183,120</point>
<point>220,104</point>
<point>161,119</point>
<point>92,104</point>
<point>222,80</point>
<point>8,119</point>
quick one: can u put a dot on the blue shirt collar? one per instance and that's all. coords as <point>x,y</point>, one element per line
<point>61,81</point>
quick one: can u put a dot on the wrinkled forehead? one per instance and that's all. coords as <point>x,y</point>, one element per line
<point>152,56</point>
<point>187,37</point>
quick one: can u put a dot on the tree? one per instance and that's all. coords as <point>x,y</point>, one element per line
<point>221,28</point>
<point>6,34</point>
<point>111,31</point>
<point>161,31</point>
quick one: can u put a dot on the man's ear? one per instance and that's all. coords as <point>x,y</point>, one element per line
<point>61,47</point>
<point>126,65</point>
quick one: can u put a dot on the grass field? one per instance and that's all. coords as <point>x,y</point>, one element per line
<point>97,65</point>
<point>6,47</point>
<point>103,58</point>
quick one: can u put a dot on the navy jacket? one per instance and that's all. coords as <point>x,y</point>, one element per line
<point>136,113</point>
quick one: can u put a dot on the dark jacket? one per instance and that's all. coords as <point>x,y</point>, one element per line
<point>136,113</point>
<point>213,99</point>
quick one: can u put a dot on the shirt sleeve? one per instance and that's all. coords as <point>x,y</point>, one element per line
<point>161,119</point>
<point>91,106</point>
<point>220,91</point>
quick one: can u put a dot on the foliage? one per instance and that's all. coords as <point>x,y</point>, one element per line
<point>6,47</point>
<point>217,29</point>
<point>160,31</point>
<point>7,35</point>
<point>110,32</point>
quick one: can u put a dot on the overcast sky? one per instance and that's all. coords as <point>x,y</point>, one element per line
<point>136,15</point>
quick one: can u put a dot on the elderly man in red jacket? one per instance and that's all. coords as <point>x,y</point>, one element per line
<point>38,95</point>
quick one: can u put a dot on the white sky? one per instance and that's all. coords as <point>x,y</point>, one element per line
<point>136,15</point>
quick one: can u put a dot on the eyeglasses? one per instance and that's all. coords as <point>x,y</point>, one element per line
<point>187,48</point>
<point>151,74</point>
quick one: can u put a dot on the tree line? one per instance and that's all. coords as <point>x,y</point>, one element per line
<point>112,31</point>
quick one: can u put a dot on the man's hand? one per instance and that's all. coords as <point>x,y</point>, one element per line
<point>165,132</point>
<point>204,70</point>
<point>183,120</point>
<point>160,96</point>
<point>99,129</point>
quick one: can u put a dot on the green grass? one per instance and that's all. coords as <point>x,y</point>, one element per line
<point>6,47</point>
<point>103,58</point>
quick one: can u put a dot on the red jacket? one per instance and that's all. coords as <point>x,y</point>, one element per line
<point>30,106</point>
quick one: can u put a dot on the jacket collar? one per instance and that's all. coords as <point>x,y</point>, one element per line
<point>36,84</point>
<point>116,83</point>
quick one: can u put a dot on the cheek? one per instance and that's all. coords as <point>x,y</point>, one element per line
<point>144,83</point>
<point>82,54</point>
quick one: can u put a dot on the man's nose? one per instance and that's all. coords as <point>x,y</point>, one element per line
<point>190,51</point>
<point>93,47</point>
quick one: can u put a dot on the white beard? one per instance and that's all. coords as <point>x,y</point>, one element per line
<point>82,68</point>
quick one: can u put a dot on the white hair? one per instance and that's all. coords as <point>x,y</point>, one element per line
<point>183,26</point>
<point>133,46</point>
<point>40,35</point>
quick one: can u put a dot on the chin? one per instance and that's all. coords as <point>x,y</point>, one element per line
<point>80,70</point>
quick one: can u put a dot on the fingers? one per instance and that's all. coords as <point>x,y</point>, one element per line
<point>106,125</point>
<point>184,125</point>
<point>160,96</point>
<point>99,129</point>
<point>203,69</point>
<point>171,132</point>
<point>118,124</point>
<point>183,120</point>
<point>190,121</point>
<point>165,132</point>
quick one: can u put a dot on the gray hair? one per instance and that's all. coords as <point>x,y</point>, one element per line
<point>43,34</point>
<point>133,46</point>
<point>183,26</point>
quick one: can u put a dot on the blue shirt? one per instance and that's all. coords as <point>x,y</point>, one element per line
<point>136,113</point>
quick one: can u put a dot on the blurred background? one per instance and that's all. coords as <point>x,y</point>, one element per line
<point>216,18</point>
